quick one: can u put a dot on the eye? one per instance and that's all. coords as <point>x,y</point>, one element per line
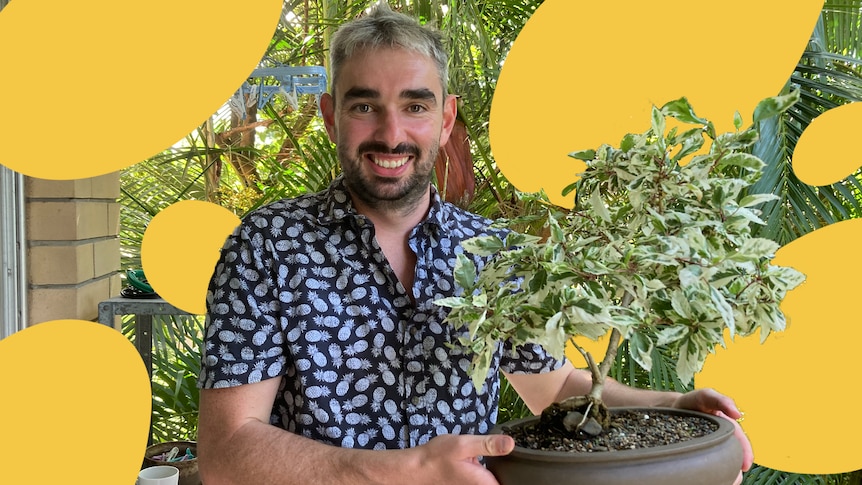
<point>361,108</point>
<point>416,108</point>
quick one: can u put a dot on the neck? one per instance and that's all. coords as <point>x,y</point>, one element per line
<point>392,229</point>
<point>398,220</point>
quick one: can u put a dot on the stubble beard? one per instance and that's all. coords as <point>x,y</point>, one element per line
<point>381,193</point>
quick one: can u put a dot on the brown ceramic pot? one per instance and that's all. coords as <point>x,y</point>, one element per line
<point>714,459</point>
<point>188,468</point>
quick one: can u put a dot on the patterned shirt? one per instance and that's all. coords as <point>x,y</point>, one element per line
<point>303,292</point>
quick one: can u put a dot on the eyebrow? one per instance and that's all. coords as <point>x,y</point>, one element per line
<point>368,93</point>
<point>423,94</point>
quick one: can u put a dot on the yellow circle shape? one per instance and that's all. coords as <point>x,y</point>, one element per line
<point>180,249</point>
<point>799,389</point>
<point>585,73</point>
<point>93,86</point>
<point>826,151</point>
<point>596,348</point>
<point>76,405</point>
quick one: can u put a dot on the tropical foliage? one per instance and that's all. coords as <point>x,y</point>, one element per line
<point>242,161</point>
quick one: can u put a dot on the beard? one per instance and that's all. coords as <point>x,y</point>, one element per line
<point>383,193</point>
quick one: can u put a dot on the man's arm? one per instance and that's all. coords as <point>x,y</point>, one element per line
<point>540,390</point>
<point>237,445</point>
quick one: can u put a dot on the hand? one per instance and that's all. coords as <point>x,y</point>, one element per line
<point>712,402</point>
<point>455,458</point>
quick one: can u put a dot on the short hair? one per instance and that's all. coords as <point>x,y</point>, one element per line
<point>384,28</point>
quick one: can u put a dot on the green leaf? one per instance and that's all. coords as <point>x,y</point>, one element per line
<point>585,155</point>
<point>483,245</point>
<point>710,130</point>
<point>482,364</point>
<point>724,309</point>
<point>554,338</point>
<point>680,304</point>
<point>743,214</point>
<point>451,302</point>
<point>658,125</point>
<point>640,349</point>
<point>681,109</point>
<point>627,143</point>
<point>537,281</point>
<point>689,360</point>
<point>517,239</point>
<point>598,205</point>
<point>757,199</point>
<point>737,120</point>
<point>744,160</point>
<point>692,140</point>
<point>774,106</point>
<point>465,272</point>
<point>759,248</point>
<point>671,334</point>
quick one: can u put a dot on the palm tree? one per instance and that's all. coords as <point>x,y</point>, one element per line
<point>828,75</point>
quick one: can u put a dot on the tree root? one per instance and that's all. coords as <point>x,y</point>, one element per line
<point>578,416</point>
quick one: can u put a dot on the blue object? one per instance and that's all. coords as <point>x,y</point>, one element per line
<point>292,80</point>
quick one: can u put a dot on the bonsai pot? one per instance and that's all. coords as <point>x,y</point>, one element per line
<point>188,468</point>
<point>713,459</point>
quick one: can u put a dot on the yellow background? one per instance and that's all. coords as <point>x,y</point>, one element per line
<point>81,388</point>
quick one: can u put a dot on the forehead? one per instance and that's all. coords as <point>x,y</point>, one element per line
<point>386,69</point>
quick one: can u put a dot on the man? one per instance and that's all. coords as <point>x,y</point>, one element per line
<point>326,359</point>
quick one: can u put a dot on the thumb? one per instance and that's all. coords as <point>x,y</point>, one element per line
<point>498,445</point>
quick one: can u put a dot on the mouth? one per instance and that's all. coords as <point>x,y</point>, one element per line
<point>389,163</point>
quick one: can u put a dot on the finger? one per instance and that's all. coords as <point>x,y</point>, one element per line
<point>739,433</point>
<point>709,401</point>
<point>498,445</point>
<point>467,447</point>
<point>747,451</point>
<point>728,407</point>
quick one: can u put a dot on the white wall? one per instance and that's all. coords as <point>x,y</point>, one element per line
<point>12,253</point>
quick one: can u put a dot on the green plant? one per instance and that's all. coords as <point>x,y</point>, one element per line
<point>176,351</point>
<point>657,250</point>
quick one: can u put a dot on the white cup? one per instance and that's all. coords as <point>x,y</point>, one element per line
<point>159,475</point>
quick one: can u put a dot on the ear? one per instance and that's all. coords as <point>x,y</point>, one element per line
<point>450,111</point>
<point>327,109</point>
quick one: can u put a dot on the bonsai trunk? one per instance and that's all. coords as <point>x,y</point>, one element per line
<point>586,415</point>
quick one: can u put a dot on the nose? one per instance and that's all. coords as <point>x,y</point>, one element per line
<point>390,128</point>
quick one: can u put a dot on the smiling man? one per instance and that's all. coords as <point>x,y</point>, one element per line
<point>326,360</point>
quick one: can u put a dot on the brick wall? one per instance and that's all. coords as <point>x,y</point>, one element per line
<point>73,246</point>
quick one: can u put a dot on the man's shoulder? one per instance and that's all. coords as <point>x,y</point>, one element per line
<point>463,220</point>
<point>301,208</point>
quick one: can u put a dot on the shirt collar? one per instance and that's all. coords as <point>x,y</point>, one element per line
<point>337,207</point>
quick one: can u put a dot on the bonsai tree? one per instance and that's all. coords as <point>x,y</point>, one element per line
<point>657,250</point>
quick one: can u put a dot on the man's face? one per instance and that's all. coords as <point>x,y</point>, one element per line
<point>388,121</point>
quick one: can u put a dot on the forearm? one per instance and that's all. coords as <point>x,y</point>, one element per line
<point>614,393</point>
<point>258,453</point>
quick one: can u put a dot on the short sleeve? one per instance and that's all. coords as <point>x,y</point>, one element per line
<point>527,359</point>
<point>243,339</point>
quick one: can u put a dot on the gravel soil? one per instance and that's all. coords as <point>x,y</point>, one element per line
<point>628,430</point>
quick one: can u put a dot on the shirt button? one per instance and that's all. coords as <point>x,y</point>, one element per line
<point>414,331</point>
<point>416,401</point>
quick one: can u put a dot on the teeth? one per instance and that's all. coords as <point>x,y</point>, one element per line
<point>389,163</point>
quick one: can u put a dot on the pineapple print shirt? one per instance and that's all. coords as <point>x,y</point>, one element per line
<point>302,292</point>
